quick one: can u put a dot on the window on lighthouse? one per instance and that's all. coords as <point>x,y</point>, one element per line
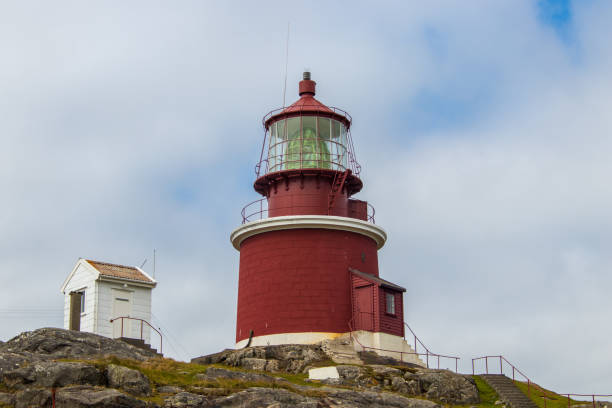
<point>390,303</point>
<point>307,142</point>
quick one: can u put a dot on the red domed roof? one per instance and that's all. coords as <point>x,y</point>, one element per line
<point>307,105</point>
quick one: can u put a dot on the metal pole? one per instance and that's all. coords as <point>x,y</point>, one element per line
<point>427,354</point>
<point>501,368</point>
<point>512,373</point>
<point>568,400</point>
<point>593,401</point>
<point>141,323</point>
<point>528,388</point>
<point>457,367</point>
<point>122,327</point>
<point>438,362</point>
<point>487,364</point>
<point>472,366</point>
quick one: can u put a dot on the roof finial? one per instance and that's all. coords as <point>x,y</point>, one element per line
<point>307,86</point>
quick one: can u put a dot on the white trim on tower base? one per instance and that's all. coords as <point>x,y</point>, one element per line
<point>308,221</point>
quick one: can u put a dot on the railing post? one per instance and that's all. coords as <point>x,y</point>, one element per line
<point>512,373</point>
<point>457,365</point>
<point>122,327</point>
<point>501,367</point>
<point>487,364</point>
<point>415,344</point>
<point>472,367</point>
<point>593,401</point>
<point>141,323</point>
<point>568,400</point>
<point>528,388</point>
<point>427,354</point>
<point>438,362</point>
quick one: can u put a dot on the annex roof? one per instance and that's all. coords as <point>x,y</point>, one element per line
<point>377,280</point>
<point>110,270</point>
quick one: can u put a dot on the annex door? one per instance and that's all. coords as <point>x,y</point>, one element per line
<point>122,306</point>
<point>364,308</point>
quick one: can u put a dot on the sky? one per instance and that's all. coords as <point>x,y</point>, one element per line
<point>483,129</point>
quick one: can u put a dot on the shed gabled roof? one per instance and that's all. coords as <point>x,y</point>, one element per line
<point>374,279</point>
<point>110,270</point>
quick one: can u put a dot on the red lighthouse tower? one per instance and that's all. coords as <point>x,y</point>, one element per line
<point>308,250</point>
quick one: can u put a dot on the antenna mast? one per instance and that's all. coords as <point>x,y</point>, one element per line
<point>286,65</point>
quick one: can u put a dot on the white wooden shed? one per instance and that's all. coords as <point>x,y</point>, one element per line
<point>96,292</point>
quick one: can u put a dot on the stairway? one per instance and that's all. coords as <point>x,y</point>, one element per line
<point>508,391</point>
<point>341,350</point>
<point>140,344</point>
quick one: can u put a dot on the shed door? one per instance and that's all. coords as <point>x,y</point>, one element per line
<point>364,308</point>
<point>121,308</point>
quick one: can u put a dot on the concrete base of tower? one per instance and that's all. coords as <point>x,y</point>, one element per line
<point>383,344</point>
<point>289,338</point>
<point>386,345</point>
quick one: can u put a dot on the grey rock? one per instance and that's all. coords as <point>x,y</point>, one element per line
<point>33,397</point>
<point>214,372</point>
<point>266,397</point>
<point>7,399</point>
<point>169,389</point>
<point>292,358</point>
<point>132,381</point>
<point>82,396</point>
<point>53,374</point>
<point>448,387</point>
<point>186,400</point>
<point>363,399</point>
<point>60,343</point>
<point>350,373</point>
<point>254,363</point>
<point>11,361</point>
<point>405,387</point>
<point>384,371</point>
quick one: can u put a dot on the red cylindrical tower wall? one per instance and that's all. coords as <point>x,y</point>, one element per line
<point>307,195</point>
<point>294,281</point>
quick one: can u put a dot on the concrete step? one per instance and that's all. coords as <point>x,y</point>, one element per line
<point>508,391</point>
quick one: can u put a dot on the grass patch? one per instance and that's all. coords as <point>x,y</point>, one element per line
<point>544,398</point>
<point>488,396</point>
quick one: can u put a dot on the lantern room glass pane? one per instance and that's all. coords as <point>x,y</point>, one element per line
<point>307,142</point>
<point>272,147</point>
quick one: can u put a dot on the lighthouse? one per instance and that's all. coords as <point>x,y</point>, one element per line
<point>308,249</point>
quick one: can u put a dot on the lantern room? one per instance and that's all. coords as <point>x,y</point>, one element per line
<point>307,135</point>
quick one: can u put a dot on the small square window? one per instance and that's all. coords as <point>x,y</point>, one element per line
<point>390,303</point>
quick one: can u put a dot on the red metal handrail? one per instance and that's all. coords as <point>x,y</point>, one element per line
<point>401,353</point>
<point>258,210</point>
<point>530,383</point>
<point>161,339</point>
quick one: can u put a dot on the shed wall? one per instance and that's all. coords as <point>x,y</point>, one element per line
<point>140,308</point>
<point>83,279</point>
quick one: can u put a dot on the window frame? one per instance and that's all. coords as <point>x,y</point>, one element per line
<point>388,296</point>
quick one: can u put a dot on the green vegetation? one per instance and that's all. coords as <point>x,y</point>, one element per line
<point>545,398</point>
<point>488,396</point>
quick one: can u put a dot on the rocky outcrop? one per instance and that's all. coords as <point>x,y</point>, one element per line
<point>53,374</point>
<point>291,358</point>
<point>186,400</point>
<point>58,343</point>
<point>87,396</point>
<point>132,381</point>
<point>255,377</point>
